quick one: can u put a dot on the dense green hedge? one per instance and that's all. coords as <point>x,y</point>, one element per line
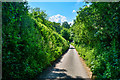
<point>27,45</point>
<point>96,36</point>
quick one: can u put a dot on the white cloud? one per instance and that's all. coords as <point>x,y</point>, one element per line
<point>57,18</point>
<point>73,11</point>
<point>80,0</point>
<point>88,5</point>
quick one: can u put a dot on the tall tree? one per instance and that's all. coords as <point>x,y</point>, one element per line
<point>65,25</point>
<point>65,33</point>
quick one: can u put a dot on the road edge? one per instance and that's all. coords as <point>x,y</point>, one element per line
<point>85,66</point>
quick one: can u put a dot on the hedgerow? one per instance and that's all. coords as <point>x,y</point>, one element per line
<point>28,46</point>
<point>96,36</point>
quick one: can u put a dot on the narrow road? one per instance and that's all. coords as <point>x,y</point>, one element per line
<point>68,66</point>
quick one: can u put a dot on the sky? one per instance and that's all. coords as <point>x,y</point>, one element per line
<point>59,11</point>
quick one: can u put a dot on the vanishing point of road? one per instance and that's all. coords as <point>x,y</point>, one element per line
<point>69,66</point>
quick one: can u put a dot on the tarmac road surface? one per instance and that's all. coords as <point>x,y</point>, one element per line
<point>68,66</point>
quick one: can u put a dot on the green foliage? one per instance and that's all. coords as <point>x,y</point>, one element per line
<point>96,35</point>
<point>65,33</point>
<point>65,25</point>
<point>57,27</point>
<point>28,45</point>
<point>41,16</point>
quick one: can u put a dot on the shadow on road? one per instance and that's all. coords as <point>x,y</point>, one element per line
<point>63,70</point>
<point>52,73</point>
<point>58,74</point>
<point>71,48</point>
